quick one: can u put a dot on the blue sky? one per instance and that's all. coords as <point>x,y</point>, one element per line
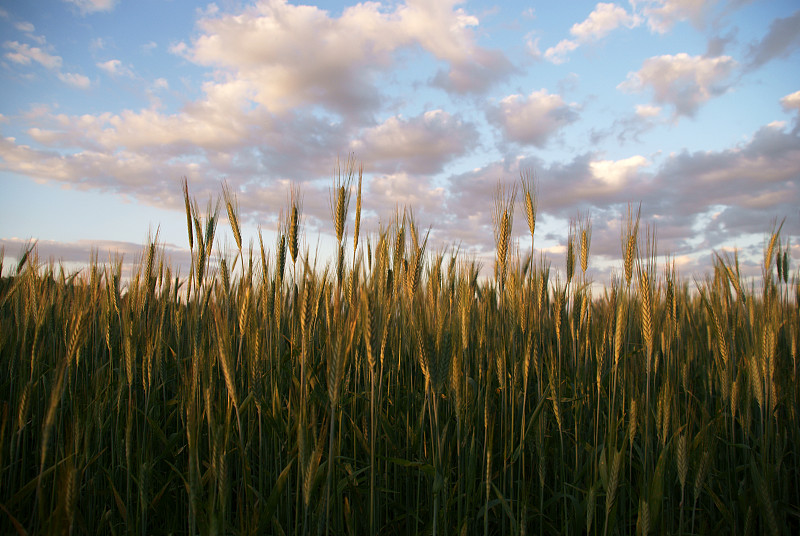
<point>689,107</point>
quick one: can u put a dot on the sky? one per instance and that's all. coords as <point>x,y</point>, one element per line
<point>689,109</point>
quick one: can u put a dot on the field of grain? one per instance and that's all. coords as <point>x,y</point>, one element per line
<point>393,391</point>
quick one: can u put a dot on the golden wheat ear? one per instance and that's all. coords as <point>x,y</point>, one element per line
<point>232,207</point>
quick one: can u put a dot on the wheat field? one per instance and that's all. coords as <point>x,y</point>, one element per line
<point>394,391</point>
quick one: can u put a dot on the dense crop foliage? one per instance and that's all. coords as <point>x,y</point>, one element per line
<point>394,392</point>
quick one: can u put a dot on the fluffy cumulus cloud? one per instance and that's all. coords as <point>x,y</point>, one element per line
<point>300,55</point>
<point>685,82</point>
<point>531,119</point>
<point>421,144</point>
<point>604,19</point>
<point>291,87</point>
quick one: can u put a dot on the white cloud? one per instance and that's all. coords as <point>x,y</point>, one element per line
<point>615,173</point>
<point>558,54</point>
<point>683,81</point>
<point>421,144</point>
<point>23,54</point>
<point>446,33</point>
<point>218,121</point>
<point>604,19</point>
<point>115,68</point>
<point>662,15</point>
<point>646,111</point>
<point>532,119</point>
<point>93,6</point>
<point>75,80</point>
<point>791,101</point>
<point>26,27</point>
<point>299,55</point>
<point>110,66</point>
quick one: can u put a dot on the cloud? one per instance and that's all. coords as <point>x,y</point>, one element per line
<point>662,15</point>
<point>791,101</point>
<point>532,46</point>
<point>92,6</point>
<point>781,41</point>
<point>115,68</point>
<point>299,55</point>
<point>75,80</point>
<point>484,69</point>
<point>446,33</point>
<point>421,144</point>
<point>682,81</point>
<point>120,171</point>
<point>716,45</point>
<point>617,173</point>
<point>646,111</point>
<point>24,54</point>
<point>532,119</point>
<point>558,54</point>
<point>140,153</point>
<point>749,185</point>
<point>26,27</point>
<point>631,127</point>
<point>604,19</point>
<point>220,120</point>
<point>406,190</point>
